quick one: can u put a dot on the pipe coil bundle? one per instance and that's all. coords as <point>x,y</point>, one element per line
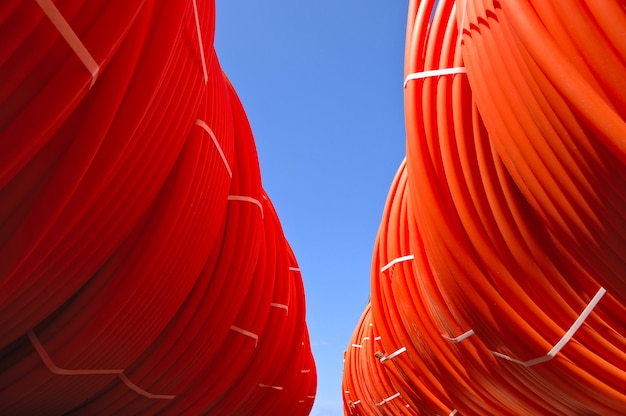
<point>498,282</point>
<point>143,268</point>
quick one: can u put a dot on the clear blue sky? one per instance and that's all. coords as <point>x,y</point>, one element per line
<point>321,82</point>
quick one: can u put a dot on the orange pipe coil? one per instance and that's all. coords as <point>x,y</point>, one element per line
<point>143,269</point>
<point>498,283</point>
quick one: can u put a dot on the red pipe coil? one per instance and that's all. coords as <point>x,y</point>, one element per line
<point>143,268</point>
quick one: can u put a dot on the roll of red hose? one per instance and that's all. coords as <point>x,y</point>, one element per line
<point>143,268</point>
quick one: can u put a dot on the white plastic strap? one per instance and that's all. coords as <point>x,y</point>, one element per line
<point>460,337</point>
<point>453,412</point>
<point>43,354</point>
<point>364,339</point>
<point>206,128</point>
<point>566,337</point>
<point>70,37</point>
<point>247,199</point>
<point>393,355</point>
<point>294,269</point>
<point>435,73</point>
<point>357,346</point>
<point>388,399</point>
<point>246,333</point>
<point>393,397</point>
<point>377,338</point>
<point>310,397</point>
<point>271,387</point>
<point>202,58</point>
<point>346,391</point>
<point>397,260</point>
<point>308,370</point>
<point>354,403</point>
<point>281,306</point>
<point>141,391</point>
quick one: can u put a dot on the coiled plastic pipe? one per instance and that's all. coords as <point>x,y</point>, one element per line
<point>497,268</point>
<point>143,269</point>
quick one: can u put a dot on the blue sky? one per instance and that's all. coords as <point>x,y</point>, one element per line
<point>321,83</point>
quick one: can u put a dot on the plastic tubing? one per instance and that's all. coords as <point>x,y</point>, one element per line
<point>63,79</point>
<point>598,279</point>
<point>143,268</point>
<point>496,266</point>
<point>182,326</point>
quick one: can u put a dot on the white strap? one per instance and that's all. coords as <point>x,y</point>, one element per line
<point>280,305</point>
<point>202,58</point>
<point>460,337</point>
<point>271,387</point>
<point>141,391</point>
<point>393,355</point>
<point>70,37</point>
<point>397,260</point>
<point>207,129</point>
<point>246,199</point>
<point>246,333</point>
<point>566,337</point>
<point>388,399</point>
<point>435,73</point>
<point>43,354</point>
